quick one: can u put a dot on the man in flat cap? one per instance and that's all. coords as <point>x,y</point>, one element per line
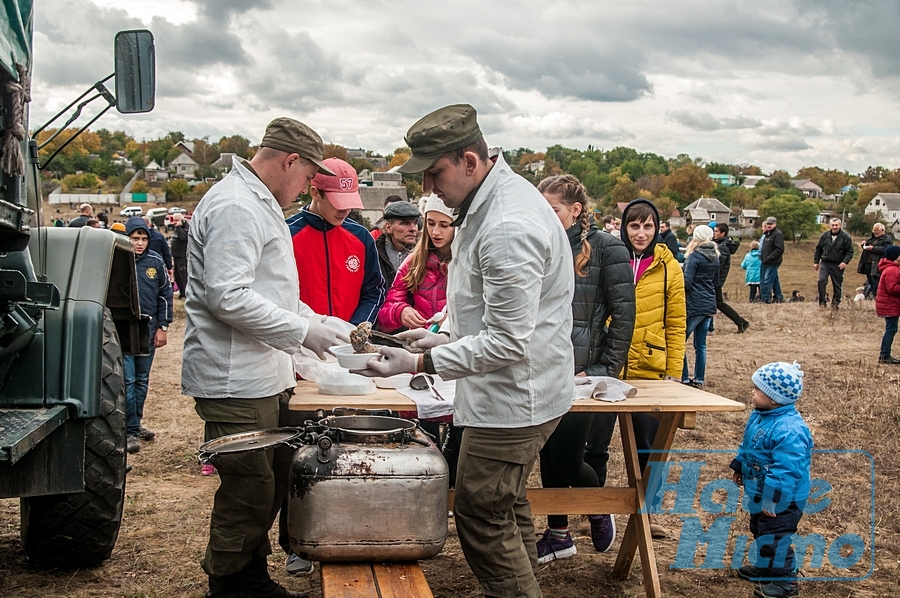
<point>401,231</point>
<point>509,291</point>
<point>771,252</point>
<point>244,321</point>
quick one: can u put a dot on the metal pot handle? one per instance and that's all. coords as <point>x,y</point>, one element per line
<point>356,411</point>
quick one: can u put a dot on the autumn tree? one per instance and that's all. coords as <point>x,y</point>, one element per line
<point>689,182</point>
<point>336,151</point>
<point>866,193</point>
<point>176,189</point>
<point>833,181</point>
<point>88,181</point>
<point>139,186</point>
<point>796,217</point>
<point>624,190</point>
<point>235,144</point>
<point>654,184</point>
<point>781,180</point>
<point>400,156</point>
<point>665,206</point>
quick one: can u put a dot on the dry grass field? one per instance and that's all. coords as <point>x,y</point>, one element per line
<point>849,401</point>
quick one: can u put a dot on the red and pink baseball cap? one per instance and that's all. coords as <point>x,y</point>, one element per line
<point>342,189</point>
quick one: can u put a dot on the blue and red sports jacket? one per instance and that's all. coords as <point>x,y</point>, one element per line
<point>337,267</point>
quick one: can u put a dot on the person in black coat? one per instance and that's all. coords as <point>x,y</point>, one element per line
<point>159,244</point>
<point>726,247</point>
<point>669,239</point>
<point>833,253</point>
<point>771,252</point>
<point>604,292</point>
<point>873,250</point>
<point>179,253</point>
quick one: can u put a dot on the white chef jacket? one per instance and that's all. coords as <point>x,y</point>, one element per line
<point>244,314</point>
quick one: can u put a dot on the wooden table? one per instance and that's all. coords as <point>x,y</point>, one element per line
<point>676,405</point>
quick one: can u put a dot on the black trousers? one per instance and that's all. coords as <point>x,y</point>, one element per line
<point>181,276</point>
<point>781,527</point>
<point>830,270</point>
<point>562,459</point>
<point>596,453</point>
<point>727,309</point>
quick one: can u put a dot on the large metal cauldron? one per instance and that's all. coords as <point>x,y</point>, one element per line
<point>363,488</point>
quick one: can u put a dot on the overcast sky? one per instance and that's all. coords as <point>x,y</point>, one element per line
<point>777,83</point>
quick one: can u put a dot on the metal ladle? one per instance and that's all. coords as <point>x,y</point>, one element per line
<point>425,381</point>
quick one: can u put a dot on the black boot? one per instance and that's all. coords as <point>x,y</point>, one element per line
<point>258,584</point>
<point>252,582</point>
<point>777,589</point>
<point>751,573</point>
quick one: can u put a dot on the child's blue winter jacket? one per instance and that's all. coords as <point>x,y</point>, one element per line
<point>775,454</point>
<point>752,264</point>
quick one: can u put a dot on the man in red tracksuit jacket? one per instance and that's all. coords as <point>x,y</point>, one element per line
<point>337,262</point>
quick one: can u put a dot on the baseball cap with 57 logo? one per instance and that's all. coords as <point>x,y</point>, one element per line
<point>341,190</point>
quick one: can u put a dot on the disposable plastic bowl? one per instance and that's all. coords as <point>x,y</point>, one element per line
<point>350,360</point>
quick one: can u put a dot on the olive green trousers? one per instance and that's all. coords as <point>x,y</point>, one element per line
<point>493,516</point>
<point>252,485</point>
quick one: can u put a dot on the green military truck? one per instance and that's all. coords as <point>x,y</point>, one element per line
<point>68,311</point>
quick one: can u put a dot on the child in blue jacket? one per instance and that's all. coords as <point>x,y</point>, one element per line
<point>752,264</point>
<point>773,465</point>
<point>155,296</point>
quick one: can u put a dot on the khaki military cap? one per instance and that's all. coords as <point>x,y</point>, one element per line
<point>442,131</point>
<point>292,136</point>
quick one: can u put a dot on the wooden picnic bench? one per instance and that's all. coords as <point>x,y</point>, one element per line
<point>374,580</point>
<point>676,405</point>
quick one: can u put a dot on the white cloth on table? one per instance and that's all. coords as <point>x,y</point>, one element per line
<point>426,405</point>
<point>603,388</point>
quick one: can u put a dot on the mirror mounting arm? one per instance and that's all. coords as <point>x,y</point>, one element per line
<point>102,92</point>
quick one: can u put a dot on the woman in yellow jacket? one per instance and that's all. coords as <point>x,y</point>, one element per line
<point>657,345</point>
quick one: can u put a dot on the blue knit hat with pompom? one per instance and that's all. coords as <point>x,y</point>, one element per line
<point>782,382</point>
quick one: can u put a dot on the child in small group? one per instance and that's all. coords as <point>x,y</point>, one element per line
<point>752,264</point>
<point>773,464</point>
<point>796,297</point>
<point>887,301</point>
<point>155,295</point>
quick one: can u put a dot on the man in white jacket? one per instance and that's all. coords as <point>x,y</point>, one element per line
<point>509,293</point>
<point>244,321</point>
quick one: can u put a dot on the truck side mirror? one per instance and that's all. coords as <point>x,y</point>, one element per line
<point>135,71</point>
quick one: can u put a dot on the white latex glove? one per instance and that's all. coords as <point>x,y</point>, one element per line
<point>393,361</point>
<point>319,337</point>
<point>422,339</point>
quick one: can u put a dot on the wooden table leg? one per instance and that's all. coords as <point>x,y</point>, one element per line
<point>638,523</point>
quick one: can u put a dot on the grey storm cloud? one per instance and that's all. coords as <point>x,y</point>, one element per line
<point>701,120</point>
<point>866,28</point>
<point>196,45</point>
<point>784,144</point>
<point>586,68</point>
<point>412,93</point>
<point>72,52</point>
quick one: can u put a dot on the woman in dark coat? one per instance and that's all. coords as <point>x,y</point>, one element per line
<point>604,293</point>
<point>701,277</point>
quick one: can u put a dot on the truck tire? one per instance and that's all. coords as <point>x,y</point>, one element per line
<point>79,530</point>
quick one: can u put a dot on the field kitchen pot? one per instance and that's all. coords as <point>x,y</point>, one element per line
<point>363,487</point>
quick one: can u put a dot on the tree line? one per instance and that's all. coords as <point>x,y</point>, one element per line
<point>610,176</point>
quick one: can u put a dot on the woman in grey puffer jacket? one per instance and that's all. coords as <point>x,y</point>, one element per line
<point>701,277</point>
<point>604,292</point>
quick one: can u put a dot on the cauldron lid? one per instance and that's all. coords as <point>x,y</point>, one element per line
<point>243,442</point>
